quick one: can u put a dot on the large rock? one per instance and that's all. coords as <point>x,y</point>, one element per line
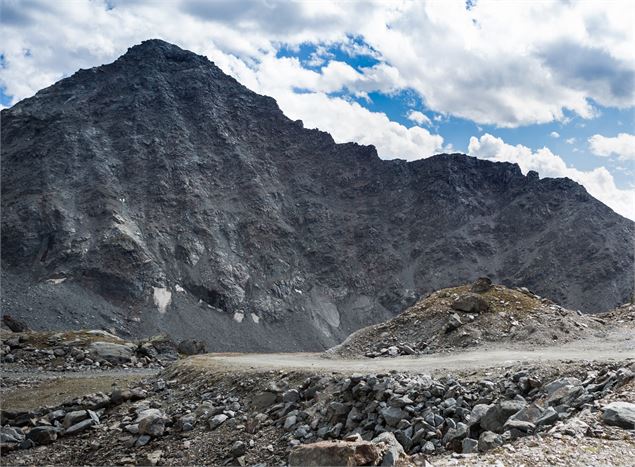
<point>620,414</point>
<point>151,422</point>
<point>9,434</point>
<point>335,453</point>
<point>42,435</point>
<point>111,352</point>
<point>496,416</point>
<point>470,303</point>
<point>392,449</point>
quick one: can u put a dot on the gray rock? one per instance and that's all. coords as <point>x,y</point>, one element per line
<point>111,352</point>
<point>191,347</point>
<point>264,399</point>
<point>79,427</point>
<point>565,395</point>
<point>217,420</point>
<point>41,435</point>
<point>470,303</point>
<point>393,415</point>
<point>290,422</point>
<point>620,414</point>
<point>292,395</point>
<point>186,423</point>
<point>393,449</point>
<point>496,416</point>
<point>454,322</point>
<point>56,414</point>
<point>74,417</point>
<point>239,448</point>
<point>548,417</point>
<point>489,440</point>
<point>481,285</point>
<point>9,434</point>
<point>428,447</point>
<point>151,422</point>
<point>142,440</point>
<point>477,413</point>
<point>469,446</point>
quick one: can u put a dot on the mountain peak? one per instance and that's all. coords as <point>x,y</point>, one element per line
<point>162,51</point>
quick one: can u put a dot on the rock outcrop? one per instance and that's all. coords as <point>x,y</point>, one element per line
<point>158,194</point>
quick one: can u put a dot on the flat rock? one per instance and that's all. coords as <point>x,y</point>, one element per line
<point>620,414</point>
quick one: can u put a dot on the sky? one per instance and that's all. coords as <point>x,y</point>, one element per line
<point>549,85</point>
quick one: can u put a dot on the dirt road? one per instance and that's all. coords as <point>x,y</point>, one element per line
<point>614,347</point>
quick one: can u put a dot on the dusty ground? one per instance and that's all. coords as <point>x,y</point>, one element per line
<point>616,346</point>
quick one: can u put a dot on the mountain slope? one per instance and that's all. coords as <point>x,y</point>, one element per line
<point>157,193</point>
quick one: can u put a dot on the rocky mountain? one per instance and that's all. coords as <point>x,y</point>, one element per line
<point>158,194</point>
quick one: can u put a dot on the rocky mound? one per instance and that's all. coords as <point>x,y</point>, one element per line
<point>157,194</point>
<point>477,314</point>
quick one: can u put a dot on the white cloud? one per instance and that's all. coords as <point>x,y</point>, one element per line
<point>419,117</point>
<point>501,63</point>
<point>622,146</point>
<point>349,121</point>
<point>599,182</point>
<point>570,140</point>
<point>554,134</point>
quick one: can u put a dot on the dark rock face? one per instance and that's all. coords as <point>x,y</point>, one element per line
<point>157,193</point>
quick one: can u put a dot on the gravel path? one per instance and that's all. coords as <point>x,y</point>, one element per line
<point>617,346</point>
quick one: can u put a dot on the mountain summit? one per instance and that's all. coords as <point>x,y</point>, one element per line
<point>157,193</point>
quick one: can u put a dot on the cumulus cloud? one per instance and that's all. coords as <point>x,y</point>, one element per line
<point>622,146</point>
<point>599,182</point>
<point>350,121</point>
<point>419,118</point>
<point>554,134</point>
<point>503,63</point>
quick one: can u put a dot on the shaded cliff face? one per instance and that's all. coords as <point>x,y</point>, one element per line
<point>157,193</point>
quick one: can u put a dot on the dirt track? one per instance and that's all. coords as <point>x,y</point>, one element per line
<point>614,347</point>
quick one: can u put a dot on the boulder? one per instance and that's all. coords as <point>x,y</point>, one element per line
<point>191,347</point>
<point>470,303</point>
<point>111,352</point>
<point>620,414</point>
<point>335,453</point>
<point>481,285</point>
<point>496,416</point>
<point>393,450</point>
